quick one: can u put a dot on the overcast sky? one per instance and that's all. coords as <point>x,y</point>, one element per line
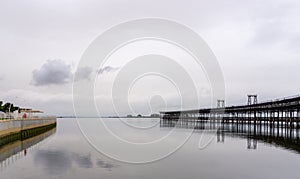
<point>257,44</point>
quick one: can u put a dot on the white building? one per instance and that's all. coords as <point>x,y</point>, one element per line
<point>2,115</point>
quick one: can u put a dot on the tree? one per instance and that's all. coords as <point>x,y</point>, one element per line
<point>8,107</point>
<point>1,108</point>
<point>16,109</point>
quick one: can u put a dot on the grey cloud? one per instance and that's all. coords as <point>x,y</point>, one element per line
<point>275,25</point>
<point>52,72</point>
<point>1,77</point>
<point>107,69</point>
<point>83,73</point>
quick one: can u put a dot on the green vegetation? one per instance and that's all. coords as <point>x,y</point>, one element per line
<point>8,107</point>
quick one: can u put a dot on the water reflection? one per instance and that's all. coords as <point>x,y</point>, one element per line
<point>58,161</point>
<point>55,162</point>
<point>12,152</point>
<point>104,164</point>
<point>287,138</point>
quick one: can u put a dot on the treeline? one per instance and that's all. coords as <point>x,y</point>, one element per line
<point>8,107</point>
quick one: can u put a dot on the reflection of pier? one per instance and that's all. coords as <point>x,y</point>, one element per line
<point>281,113</point>
<point>284,137</point>
<point>19,149</point>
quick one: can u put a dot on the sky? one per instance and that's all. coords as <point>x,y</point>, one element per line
<point>256,43</point>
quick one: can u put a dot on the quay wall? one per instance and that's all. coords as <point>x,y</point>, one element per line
<point>13,130</point>
<point>10,124</point>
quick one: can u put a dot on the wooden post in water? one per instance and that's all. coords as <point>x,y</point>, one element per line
<point>291,119</point>
<point>298,119</point>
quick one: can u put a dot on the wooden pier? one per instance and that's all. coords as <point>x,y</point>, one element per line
<point>280,112</point>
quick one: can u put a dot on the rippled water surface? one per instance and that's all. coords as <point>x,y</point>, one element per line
<point>234,152</point>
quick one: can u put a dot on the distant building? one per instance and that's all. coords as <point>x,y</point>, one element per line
<point>154,115</point>
<point>29,113</point>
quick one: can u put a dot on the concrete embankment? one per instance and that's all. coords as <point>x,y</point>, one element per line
<point>13,130</point>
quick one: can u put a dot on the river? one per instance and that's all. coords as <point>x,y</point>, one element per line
<point>72,151</point>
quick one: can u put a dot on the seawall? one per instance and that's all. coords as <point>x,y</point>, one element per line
<point>13,130</point>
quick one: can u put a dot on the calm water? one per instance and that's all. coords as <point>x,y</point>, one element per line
<point>235,153</point>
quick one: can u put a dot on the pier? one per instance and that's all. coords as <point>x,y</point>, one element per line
<point>284,113</point>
